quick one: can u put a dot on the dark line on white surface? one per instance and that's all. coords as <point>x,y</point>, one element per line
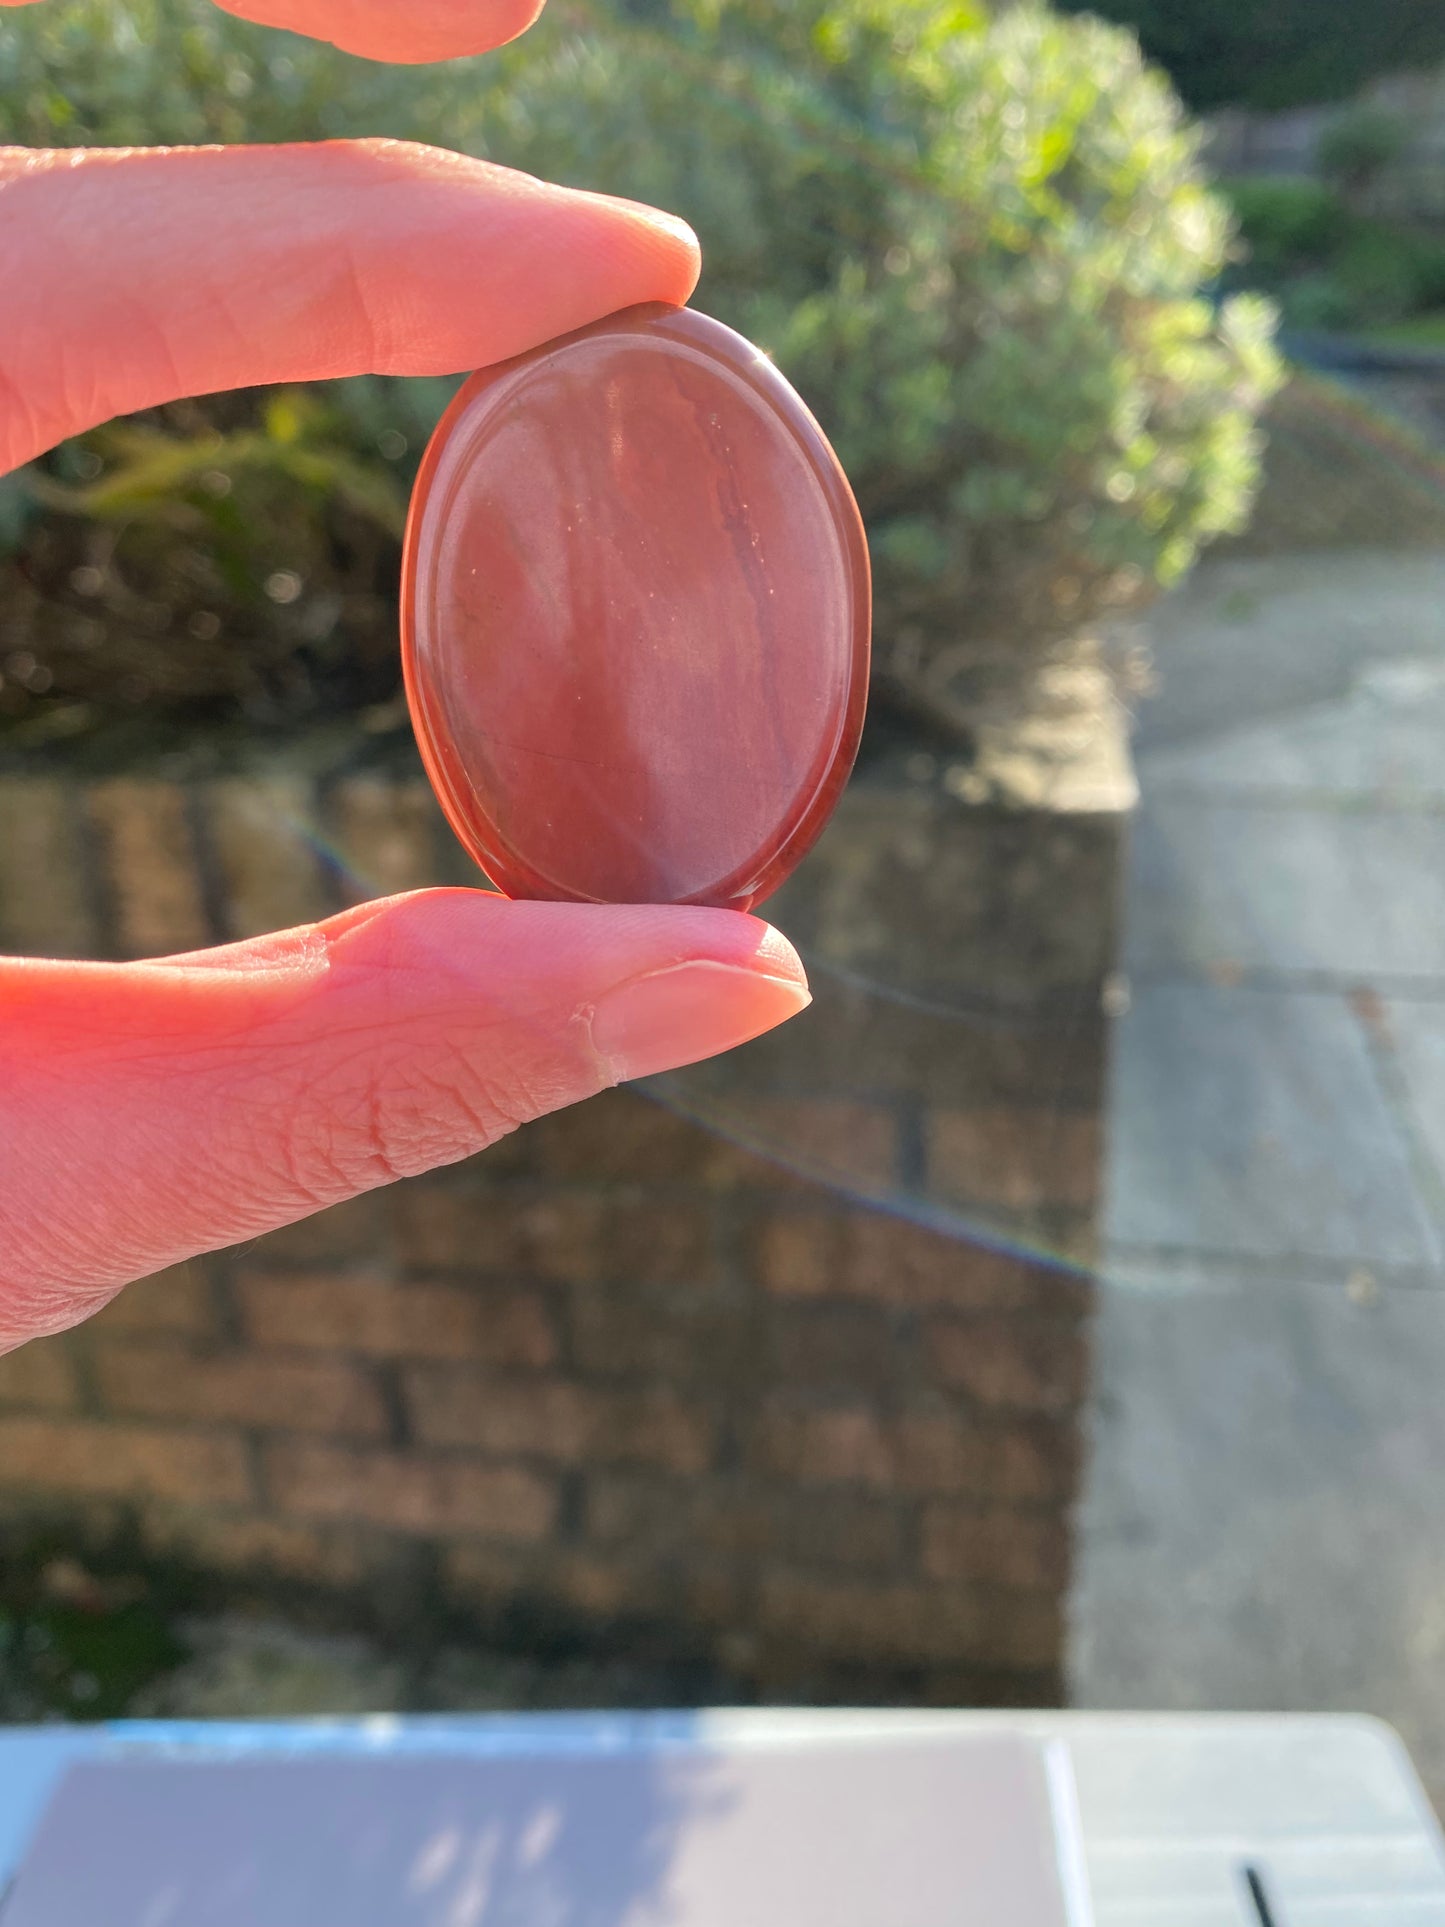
<point>1258,1894</point>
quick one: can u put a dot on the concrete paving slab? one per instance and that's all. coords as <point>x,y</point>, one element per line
<point>1357,893</point>
<point>1416,1034</point>
<point>1384,741</point>
<point>1250,638</point>
<point>1252,1121</point>
<point>1264,1525</point>
<point>1264,1516</point>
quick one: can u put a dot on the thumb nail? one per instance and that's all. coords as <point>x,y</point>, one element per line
<point>692,1010</point>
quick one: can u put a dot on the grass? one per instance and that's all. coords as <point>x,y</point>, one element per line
<point>76,1644</point>
<point>1420,331</point>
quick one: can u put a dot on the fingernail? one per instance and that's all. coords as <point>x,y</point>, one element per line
<point>672,225</point>
<point>693,1010</point>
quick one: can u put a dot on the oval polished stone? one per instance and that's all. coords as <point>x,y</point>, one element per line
<point>635,612</point>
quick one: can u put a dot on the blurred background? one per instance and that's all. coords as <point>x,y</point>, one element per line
<point>1056,1311</point>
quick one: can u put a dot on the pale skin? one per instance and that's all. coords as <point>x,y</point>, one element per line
<point>153,1110</point>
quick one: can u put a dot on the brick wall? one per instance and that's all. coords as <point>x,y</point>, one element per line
<point>628,1369</point>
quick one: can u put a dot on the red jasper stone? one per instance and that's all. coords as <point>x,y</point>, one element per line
<point>635,613</point>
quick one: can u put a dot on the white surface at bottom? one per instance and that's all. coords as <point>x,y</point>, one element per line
<point>1171,1809</point>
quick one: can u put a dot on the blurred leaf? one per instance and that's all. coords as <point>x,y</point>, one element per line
<point>285,415</point>
<point>17,506</point>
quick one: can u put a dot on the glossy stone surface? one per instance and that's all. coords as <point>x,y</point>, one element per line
<point>635,614</point>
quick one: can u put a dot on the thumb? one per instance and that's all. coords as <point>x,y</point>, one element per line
<point>150,1111</point>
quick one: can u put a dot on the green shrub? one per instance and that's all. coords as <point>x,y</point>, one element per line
<point>1319,303</point>
<point>1327,265</point>
<point>239,556</point>
<point>978,246</point>
<point>1385,276</point>
<point>1359,144</point>
<point>1286,223</point>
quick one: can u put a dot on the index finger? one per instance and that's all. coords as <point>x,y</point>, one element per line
<point>130,277</point>
<point>396,30</point>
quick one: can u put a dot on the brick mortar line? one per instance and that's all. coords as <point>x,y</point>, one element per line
<point>904,1327</point>
<point>847,1210</point>
<point>218,1273</point>
<point>206,865</point>
<point>1059,1504</point>
<point>878,1097</point>
<point>487,1459</point>
<point>133,1422</point>
<point>771,1486</point>
<point>569,1530</point>
<point>910,1142</point>
<point>908,1509</point>
<point>337,875</point>
<point>631,1193</point>
<point>730,1231</point>
<point>973,1590</point>
<point>385,1374</point>
<point>366,1274</point>
<point>636,1193</point>
<point>205,1348</point>
<point>557,1297</point>
<point>88,1401</point>
<point>253,1447</point>
<point>97,883</point>
<point>533,1376</point>
<point>392,1274</point>
<point>760,1568</point>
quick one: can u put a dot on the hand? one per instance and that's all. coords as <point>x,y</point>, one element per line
<point>149,1111</point>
